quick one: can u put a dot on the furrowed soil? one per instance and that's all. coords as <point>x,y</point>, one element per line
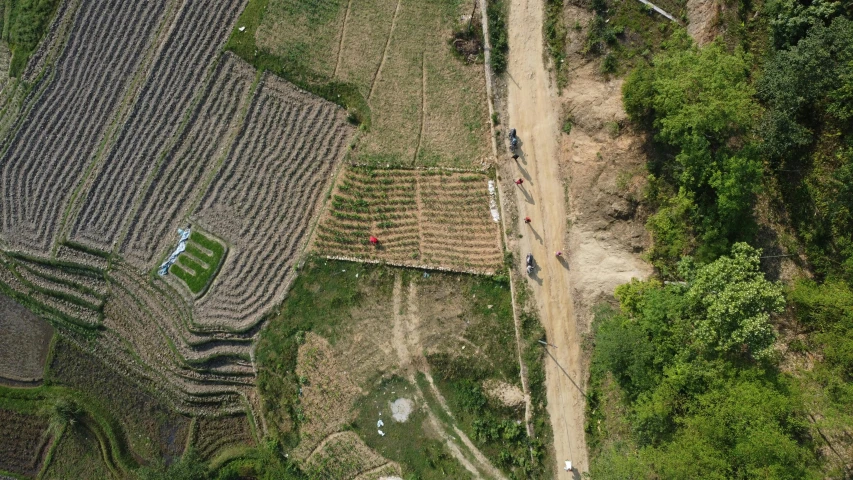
<point>427,107</point>
<point>578,192</point>
<point>421,218</point>
<point>25,441</point>
<point>24,344</point>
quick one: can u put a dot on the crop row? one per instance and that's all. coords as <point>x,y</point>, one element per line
<point>175,79</point>
<point>54,143</point>
<point>264,196</point>
<point>434,218</point>
<point>166,203</point>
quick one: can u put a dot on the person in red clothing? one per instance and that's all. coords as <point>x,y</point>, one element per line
<point>374,240</point>
<point>526,219</point>
<point>519,181</point>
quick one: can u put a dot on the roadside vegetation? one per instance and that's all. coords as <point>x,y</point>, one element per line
<point>24,24</point>
<point>729,363</point>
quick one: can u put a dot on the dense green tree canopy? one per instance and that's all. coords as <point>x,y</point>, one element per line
<point>700,105</point>
<point>692,360</point>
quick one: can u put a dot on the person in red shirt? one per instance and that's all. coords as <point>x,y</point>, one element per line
<point>519,181</point>
<point>526,219</point>
<point>374,240</point>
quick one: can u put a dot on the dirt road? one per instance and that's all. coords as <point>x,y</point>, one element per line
<point>533,108</point>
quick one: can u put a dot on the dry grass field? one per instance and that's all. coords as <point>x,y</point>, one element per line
<point>427,107</point>
<point>24,344</point>
<point>423,218</point>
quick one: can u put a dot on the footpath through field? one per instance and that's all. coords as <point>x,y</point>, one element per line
<point>534,111</point>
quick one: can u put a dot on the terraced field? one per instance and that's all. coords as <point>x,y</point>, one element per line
<point>425,218</point>
<point>175,79</point>
<point>49,153</point>
<point>141,125</point>
<point>185,172</point>
<point>263,207</point>
<point>23,456</point>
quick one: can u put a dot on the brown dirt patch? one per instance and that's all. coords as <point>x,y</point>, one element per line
<point>24,344</point>
<point>327,397</point>
<point>702,17</point>
<point>508,395</point>
<point>23,442</point>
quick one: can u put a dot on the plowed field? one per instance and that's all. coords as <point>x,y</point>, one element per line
<point>138,124</point>
<point>424,218</point>
<point>24,341</point>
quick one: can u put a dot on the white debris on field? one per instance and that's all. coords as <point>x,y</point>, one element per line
<point>182,245</point>
<point>493,203</point>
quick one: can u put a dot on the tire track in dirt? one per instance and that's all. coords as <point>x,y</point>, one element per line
<point>423,107</point>
<point>341,42</point>
<point>412,360</point>
<point>532,105</point>
<point>385,50</point>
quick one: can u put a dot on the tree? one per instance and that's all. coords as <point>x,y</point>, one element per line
<point>700,105</point>
<point>732,303</point>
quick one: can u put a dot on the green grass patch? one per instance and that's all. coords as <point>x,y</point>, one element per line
<point>419,455</point>
<point>200,262</point>
<point>320,299</point>
<point>24,24</point>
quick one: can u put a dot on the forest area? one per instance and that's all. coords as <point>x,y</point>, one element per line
<point>724,364</point>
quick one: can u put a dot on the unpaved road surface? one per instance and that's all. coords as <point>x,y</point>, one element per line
<point>533,108</point>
